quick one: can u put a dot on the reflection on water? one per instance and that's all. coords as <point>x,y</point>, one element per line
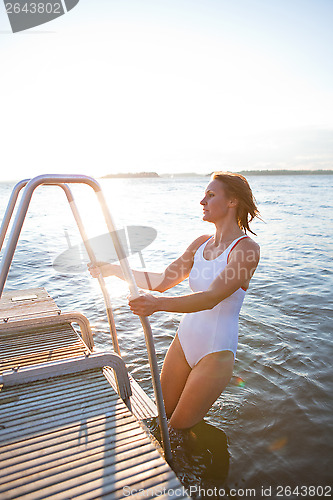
<point>200,456</point>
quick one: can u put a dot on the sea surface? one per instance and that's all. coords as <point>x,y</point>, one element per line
<point>277,412</point>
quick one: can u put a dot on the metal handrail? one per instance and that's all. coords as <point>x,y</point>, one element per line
<point>10,209</point>
<point>59,319</point>
<point>72,365</point>
<point>62,180</point>
<point>4,227</point>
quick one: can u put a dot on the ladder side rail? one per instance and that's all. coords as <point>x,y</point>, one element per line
<point>22,211</point>
<point>10,209</point>
<point>69,195</point>
<point>78,364</point>
<point>92,257</point>
<point>145,324</point>
<point>144,320</point>
<point>10,249</point>
<point>60,319</point>
<point>15,233</point>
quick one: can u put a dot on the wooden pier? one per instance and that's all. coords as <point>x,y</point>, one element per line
<point>65,432</point>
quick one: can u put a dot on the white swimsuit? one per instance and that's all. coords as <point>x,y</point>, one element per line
<point>211,330</point>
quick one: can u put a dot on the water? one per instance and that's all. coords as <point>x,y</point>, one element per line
<point>277,411</point>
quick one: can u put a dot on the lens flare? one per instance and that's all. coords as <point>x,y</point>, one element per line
<point>278,444</point>
<point>238,381</point>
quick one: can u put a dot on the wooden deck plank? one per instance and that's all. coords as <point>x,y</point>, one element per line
<point>68,445</point>
<point>33,344</point>
<point>11,350</point>
<point>26,402</point>
<point>94,456</point>
<point>40,345</point>
<point>40,305</point>
<point>41,386</point>
<point>17,432</point>
<point>69,436</point>
<point>78,454</point>
<point>75,432</point>
<point>37,339</point>
<point>37,332</point>
<point>151,490</point>
<point>35,360</point>
<point>63,405</point>
<point>71,346</point>
<point>140,475</point>
<point>39,335</point>
<point>142,406</point>
<point>75,395</point>
<point>53,487</point>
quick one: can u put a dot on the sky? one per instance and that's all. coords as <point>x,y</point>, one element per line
<point>168,86</point>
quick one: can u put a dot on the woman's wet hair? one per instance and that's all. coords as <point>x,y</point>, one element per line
<point>235,185</point>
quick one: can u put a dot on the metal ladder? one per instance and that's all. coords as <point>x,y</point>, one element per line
<point>62,181</point>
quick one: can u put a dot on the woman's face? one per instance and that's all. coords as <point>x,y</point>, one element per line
<point>216,204</point>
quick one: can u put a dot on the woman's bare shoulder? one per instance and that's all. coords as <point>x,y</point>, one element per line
<point>248,244</point>
<point>193,247</point>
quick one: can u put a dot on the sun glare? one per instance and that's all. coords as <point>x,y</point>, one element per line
<point>128,97</point>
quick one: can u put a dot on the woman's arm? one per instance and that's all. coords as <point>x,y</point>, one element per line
<point>176,272</point>
<point>239,270</point>
<point>146,280</point>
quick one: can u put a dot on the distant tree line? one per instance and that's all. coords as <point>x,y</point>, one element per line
<point>131,174</point>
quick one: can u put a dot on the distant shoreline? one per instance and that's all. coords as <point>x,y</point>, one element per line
<point>155,175</point>
<point>149,175</point>
<point>286,172</point>
<point>131,175</point>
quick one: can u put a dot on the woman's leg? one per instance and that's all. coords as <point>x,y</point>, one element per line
<point>174,374</point>
<point>203,386</point>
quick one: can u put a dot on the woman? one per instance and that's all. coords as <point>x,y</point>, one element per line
<point>199,363</point>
